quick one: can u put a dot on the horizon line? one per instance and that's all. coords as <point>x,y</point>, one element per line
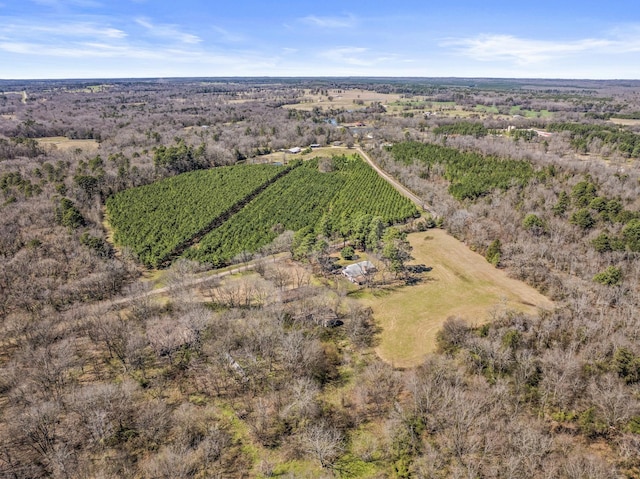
<point>325,77</point>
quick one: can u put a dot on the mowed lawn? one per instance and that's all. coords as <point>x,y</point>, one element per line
<point>462,283</point>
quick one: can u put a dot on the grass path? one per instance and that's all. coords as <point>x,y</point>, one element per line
<point>462,283</point>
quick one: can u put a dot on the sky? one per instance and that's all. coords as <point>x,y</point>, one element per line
<point>50,39</point>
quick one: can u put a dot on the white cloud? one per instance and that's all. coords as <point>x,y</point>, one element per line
<point>523,51</point>
<point>330,22</point>
<point>155,57</point>
<point>60,30</point>
<point>81,30</point>
<point>168,31</point>
<point>355,56</point>
<point>64,3</point>
<point>227,36</point>
<point>79,50</point>
<point>348,55</point>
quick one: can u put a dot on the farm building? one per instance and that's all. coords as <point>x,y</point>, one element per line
<point>358,272</point>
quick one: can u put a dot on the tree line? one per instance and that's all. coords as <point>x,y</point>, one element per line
<point>470,174</point>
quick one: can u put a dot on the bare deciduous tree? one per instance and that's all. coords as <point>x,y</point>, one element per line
<point>324,442</point>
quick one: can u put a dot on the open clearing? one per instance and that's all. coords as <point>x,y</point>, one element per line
<point>462,283</point>
<point>625,121</point>
<point>65,144</point>
<point>347,99</point>
<point>286,156</point>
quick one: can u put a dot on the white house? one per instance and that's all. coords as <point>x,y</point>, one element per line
<point>358,272</point>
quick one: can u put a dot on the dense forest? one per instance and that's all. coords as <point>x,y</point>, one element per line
<point>110,368</point>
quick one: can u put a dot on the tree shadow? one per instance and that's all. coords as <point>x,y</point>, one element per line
<point>418,268</point>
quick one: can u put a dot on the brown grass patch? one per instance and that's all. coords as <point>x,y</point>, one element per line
<point>625,121</point>
<point>345,99</point>
<point>65,144</point>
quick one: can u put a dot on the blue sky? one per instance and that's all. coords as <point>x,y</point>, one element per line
<point>168,38</point>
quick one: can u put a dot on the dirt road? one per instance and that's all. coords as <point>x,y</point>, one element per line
<point>199,280</point>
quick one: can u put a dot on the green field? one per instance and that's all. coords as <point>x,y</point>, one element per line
<point>487,109</point>
<point>476,129</point>
<point>442,104</point>
<point>517,110</point>
<point>155,219</point>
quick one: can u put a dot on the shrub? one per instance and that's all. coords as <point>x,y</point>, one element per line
<point>347,252</point>
<point>68,215</point>
<point>493,252</point>
<point>602,243</point>
<point>583,219</point>
<point>562,204</point>
<point>611,276</point>
<point>627,365</point>
<point>583,193</point>
<point>631,235</point>
<point>533,223</point>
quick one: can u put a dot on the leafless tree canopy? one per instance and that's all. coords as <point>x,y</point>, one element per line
<point>244,376</point>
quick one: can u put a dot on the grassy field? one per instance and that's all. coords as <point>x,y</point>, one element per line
<point>397,106</point>
<point>285,156</point>
<point>487,109</point>
<point>625,121</point>
<point>65,144</point>
<point>461,284</point>
<point>343,99</point>
<point>517,110</point>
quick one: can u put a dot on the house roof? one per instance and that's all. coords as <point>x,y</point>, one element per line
<point>358,269</point>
